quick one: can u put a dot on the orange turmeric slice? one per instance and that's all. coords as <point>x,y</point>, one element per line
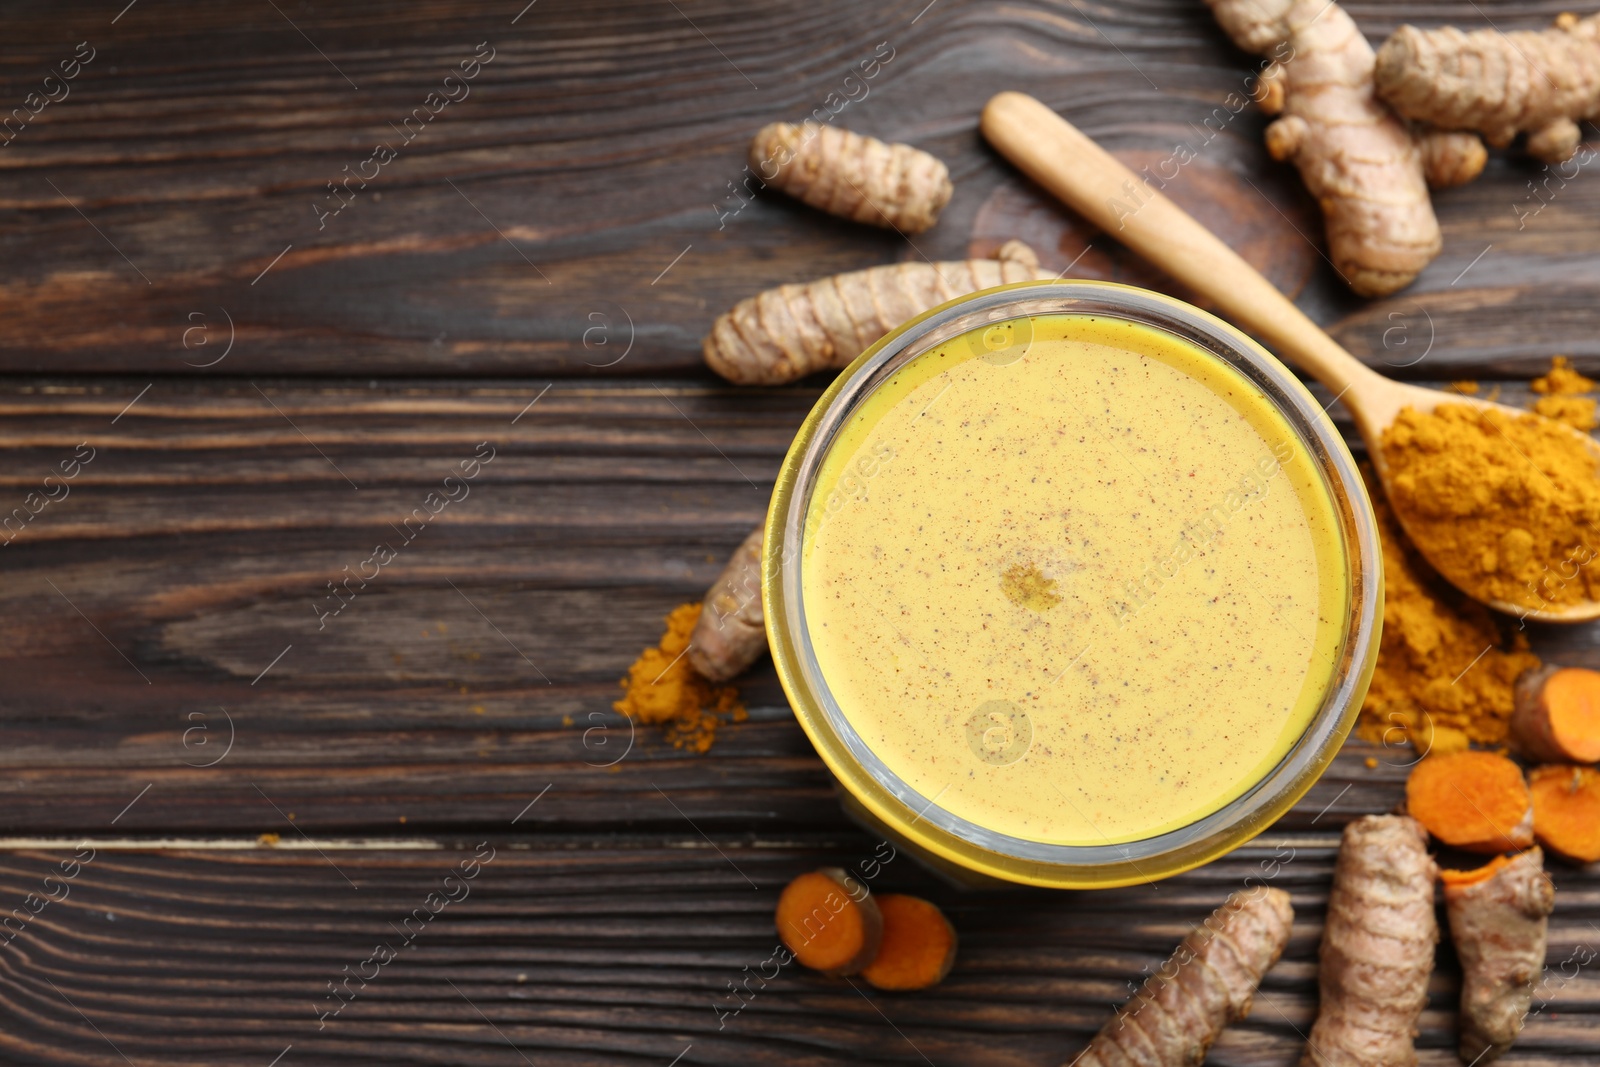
<point>1566,811</point>
<point>919,945</point>
<point>1472,800</point>
<point>1474,875</point>
<point>830,922</point>
<point>1557,719</point>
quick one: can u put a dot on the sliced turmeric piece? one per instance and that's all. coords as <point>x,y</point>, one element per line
<point>852,175</point>
<point>1499,920</point>
<point>1557,719</point>
<point>1209,982</point>
<point>1472,800</point>
<point>919,944</point>
<point>1566,811</point>
<point>830,922</point>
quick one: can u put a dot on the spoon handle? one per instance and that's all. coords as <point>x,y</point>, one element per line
<point>1088,179</point>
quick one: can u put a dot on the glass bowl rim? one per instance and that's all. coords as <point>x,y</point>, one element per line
<point>917,819</point>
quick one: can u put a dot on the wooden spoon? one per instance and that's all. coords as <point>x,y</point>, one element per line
<point>1088,179</point>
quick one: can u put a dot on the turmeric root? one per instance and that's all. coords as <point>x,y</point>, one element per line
<point>829,921</point>
<point>662,688</point>
<point>853,176</point>
<point>731,633</point>
<point>1566,811</point>
<point>796,330</point>
<point>1499,917</point>
<point>1557,719</point>
<point>1377,947</point>
<point>1364,166</point>
<point>1207,983</point>
<point>1472,800</point>
<point>1499,84</point>
<point>919,944</point>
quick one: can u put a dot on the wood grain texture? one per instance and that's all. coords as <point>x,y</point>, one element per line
<point>577,954</point>
<point>147,610</point>
<point>603,141</point>
<point>267,398</point>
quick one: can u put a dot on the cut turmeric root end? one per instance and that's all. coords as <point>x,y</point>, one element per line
<point>1566,811</point>
<point>1472,800</point>
<point>830,922</point>
<point>919,945</point>
<point>1557,718</point>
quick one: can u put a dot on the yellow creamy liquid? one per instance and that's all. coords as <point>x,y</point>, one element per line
<point>1083,590</point>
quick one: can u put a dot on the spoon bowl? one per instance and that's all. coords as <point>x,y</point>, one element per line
<point>1382,405</point>
<point>1092,182</point>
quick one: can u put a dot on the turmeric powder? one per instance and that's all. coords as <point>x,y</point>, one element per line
<point>1445,673</point>
<point>1563,398</point>
<point>1507,506</point>
<point>662,688</point>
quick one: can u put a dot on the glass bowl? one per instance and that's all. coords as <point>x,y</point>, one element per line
<point>971,852</point>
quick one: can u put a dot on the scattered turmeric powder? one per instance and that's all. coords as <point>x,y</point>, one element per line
<point>1472,800</point>
<point>1576,411</point>
<point>919,944</point>
<point>1499,84</point>
<point>1499,920</point>
<point>830,922</point>
<point>1377,946</point>
<point>1562,397</point>
<point>853,176</point>
<point>1557,719</point>
<point>1566,811</point>
<point>1209,982</point>
<point>796,330</point>
<point>1506,506</point>
<point>1368,170</point>
<point>662,688</point>
<point>731,633</point>
<point>1445,674</point>
<point>1563,380</point>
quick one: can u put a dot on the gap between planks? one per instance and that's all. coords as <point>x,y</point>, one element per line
<point>1328,840</point>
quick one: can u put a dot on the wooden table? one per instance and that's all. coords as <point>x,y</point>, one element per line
<point>258,389</point>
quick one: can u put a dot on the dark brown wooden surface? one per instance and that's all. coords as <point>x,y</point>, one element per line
<point>561,237</point>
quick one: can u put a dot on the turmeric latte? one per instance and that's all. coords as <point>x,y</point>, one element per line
<point>1506,507</point>
<point>1081,589</point>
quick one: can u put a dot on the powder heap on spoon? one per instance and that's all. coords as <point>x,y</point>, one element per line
<point>1506,507</point>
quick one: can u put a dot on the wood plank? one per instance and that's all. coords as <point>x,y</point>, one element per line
<point>530,227</point>
<point>176,591</point>
<point>573,953</point>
